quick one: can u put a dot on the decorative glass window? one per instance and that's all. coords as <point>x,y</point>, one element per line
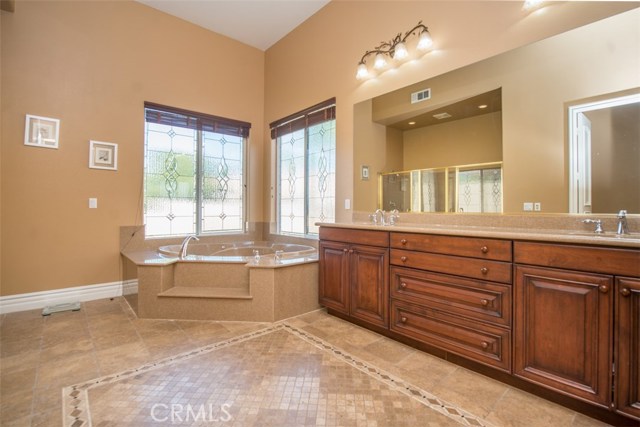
<point>305,169</point>
<point>193,172</point>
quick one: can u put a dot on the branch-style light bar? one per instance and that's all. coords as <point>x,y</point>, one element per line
<point>395,49</point>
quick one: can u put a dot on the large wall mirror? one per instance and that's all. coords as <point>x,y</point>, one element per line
<point>495,135</point>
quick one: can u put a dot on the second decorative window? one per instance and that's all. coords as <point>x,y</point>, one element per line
<point>305,168</point>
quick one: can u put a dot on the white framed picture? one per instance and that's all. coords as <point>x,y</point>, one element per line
<point>103,155</point>
<point>41,131</point>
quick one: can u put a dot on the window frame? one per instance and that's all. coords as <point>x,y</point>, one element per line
<point>319,113</point>
<point>199,123</point>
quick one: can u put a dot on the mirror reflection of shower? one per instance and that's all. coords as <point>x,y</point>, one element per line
<point>462,188</point>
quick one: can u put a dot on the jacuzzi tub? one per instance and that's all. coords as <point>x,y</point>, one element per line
<point>238,251</point>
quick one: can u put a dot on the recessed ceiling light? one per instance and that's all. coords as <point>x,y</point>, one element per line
<point>483,106</point>
<point>412,123</point>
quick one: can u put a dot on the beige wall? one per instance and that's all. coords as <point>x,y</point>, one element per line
<point>92,65</point>
<point>318,60</point>
<point>474,140</point>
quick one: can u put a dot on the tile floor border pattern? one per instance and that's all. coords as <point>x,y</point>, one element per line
<point>75,399</point>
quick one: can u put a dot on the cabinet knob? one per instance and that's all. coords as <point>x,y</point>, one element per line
<point>484,249</point>
<point>403,319</point>
<point>350,251</point>
<point>345,250</point>
<point>625,292</point>
<point>403,258</point>
<point>484,270</point>
<point>603,288</point>
<point>484,302</point>
<point>484,345</point>
<point>403,285</point>
<point>403,241</point>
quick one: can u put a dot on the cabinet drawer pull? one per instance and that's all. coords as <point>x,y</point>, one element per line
<point>484,249</point>
<point>485,345</point>
<point>484,302</point>
<point>403,285</point>
<point>403,319</point>
<point>403,258</point>
<point>625,292</point>
<point>403,241</point>
<point>604,289</point>
<point>484,270</point>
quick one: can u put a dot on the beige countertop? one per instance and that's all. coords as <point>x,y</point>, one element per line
<point>545,235</point>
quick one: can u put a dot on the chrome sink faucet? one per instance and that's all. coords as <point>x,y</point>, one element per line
<point>598,224</point>
<point>394,216</point>
<point>185,244</point>
<point>378,217</point>
<point>622,223</point>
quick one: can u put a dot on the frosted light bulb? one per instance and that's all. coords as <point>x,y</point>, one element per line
<point>400,52</point>
<point>380,61</point>
<point>425,41</point>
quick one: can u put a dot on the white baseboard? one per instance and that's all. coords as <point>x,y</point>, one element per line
<point>38,300</point>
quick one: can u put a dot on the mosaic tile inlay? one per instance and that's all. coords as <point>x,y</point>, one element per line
<point>277,376</point>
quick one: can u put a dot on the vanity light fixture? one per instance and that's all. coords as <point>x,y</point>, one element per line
<point>395,49</point>
<point>483,106</point>
<point>411,123</point>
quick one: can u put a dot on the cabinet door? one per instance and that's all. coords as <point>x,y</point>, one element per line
<point>628,346</point>
<point>370,284</point>
<point>563,331</point>
<point>334,275</point>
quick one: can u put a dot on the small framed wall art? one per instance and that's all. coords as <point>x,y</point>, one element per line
<point>103,155</point>
<point>41,131</point>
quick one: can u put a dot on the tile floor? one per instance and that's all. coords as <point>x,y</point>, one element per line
<point>39,356</point>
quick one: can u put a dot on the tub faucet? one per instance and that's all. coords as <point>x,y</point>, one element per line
<point>185,244</point>
<point>622,223</point>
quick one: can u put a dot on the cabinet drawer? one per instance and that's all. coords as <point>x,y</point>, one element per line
<point>499,250</point>
<point>474,299</point>
<point>495,271</point>
<point>361,237</point>
<point>623,262</point>
<point>485,344</point>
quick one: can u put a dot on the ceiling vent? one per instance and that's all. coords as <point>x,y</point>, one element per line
<point>442,116</point>
<point>421,95</point>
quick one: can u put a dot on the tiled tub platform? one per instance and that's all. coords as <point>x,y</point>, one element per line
<point>263,290</point>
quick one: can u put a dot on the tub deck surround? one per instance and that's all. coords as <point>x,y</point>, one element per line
<point>233,287</point>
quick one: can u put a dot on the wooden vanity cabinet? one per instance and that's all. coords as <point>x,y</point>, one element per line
<point>453,293</point>
<point>561,316</point>
<point>627,365</point>
<point>564,331</point>
<point>564,321</point>
<point>354,273</point>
